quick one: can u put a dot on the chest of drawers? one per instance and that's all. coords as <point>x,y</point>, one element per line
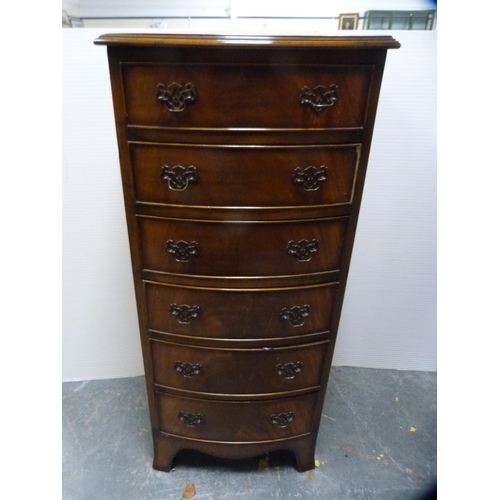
<point>243,160</point>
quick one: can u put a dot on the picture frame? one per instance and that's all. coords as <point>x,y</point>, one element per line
<point>76,22</point>
<point>348,21</point>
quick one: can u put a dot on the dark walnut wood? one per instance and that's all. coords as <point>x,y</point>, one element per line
<point>240,249</point>
<point>260,321</point>
<point>247,96</point>
<point>243,160</point>
<point>232,176</point>
<point>238,373</point>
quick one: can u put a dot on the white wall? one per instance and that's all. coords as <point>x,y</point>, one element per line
<point>234,14</point>
<point>72,8</point>
<point>389,316</point>
<point>241,8</point>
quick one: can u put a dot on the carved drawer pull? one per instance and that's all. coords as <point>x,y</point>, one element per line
<point>303,249</point>
<point>311,178</point>
<point>282,419</point>
<point>190,419</point>
<point>289,370</point>
<point>296,315</point>
<point>182,250</point>
<point>320,97</point>
<point>188,370</point>
<point>179,177</point>
<point>184,313</point>
<point>176,96</point>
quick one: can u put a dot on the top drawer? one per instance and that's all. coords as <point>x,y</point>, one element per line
<point>246,96</point>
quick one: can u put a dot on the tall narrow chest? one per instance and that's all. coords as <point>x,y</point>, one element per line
<point>243,160</point>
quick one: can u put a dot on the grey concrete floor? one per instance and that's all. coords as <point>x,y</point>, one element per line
<point>377,440</point>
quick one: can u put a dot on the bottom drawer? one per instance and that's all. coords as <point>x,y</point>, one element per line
<point>231,421</point>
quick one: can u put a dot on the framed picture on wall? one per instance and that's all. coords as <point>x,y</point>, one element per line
<point>348,21</point>
<point>76,22</point>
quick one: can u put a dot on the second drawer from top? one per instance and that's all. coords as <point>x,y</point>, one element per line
<point>244,176</point>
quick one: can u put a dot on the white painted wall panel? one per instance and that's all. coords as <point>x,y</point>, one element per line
<point>242,8</point>
<point>100,326</point>
<point>389,317</point>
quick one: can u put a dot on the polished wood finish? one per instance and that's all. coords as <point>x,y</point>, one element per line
<point>248,41</point>
<point>236,421</point>
<point>243,160</point>
<point>254,314</point>
<point>238,373</point>
<point>241,249</point>
<point>236,176</point>
<point>246,96</point>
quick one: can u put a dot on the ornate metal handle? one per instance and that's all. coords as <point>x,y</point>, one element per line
<point>282,419</point>
<point>289,370</point>
<point>182,250</point>
<point>311,178</point>
<point>296,315</point>
<point>184,313</point>
<point>319,97</point>
<point>303,249</point>
<point>179,177</point>
<point>187,369</point>
<point>176,96</point>
<point>190,419</point>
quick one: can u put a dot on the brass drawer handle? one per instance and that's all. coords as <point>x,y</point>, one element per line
<point>182,250</point>
<point>311,178</point>
<point>289,370</point>
<point>303,249</point>
<point>190,419</point>
<point>282,419</point>
<point>184,313</point>
<point>319,97</point>
<point>179,177</point>
<point>188,370</point>
<point>176,96</point>
<point>296,315</point>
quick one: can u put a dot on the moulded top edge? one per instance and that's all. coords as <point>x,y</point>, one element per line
<point>261,41</point>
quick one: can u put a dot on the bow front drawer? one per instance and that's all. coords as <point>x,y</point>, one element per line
<point>254,314</point>
<point>238,372</point>
<point>208,248</point>
<point>246,96</point>
<point>236,176</point>
<point>235,421</point>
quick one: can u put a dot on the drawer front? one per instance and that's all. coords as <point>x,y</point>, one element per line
<point>238,371</point>
<point>244,176</point>
<point>207,248</point>
<point>239,314</point>
<point>235,421</point>
<point>246,96</point>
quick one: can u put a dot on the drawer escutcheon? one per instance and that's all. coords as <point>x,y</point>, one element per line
<point>176,96</point>
<point>182,250</point>
<point>311,178</point>
<point>289,370</point>
<point>303,249</point>
<point>296,314</point>
<point>190,419</point>
<point>282,419</point>
<point>179,177</point>
<point>320,97</point>
<point>188,370</point>
<point>185,313</point>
